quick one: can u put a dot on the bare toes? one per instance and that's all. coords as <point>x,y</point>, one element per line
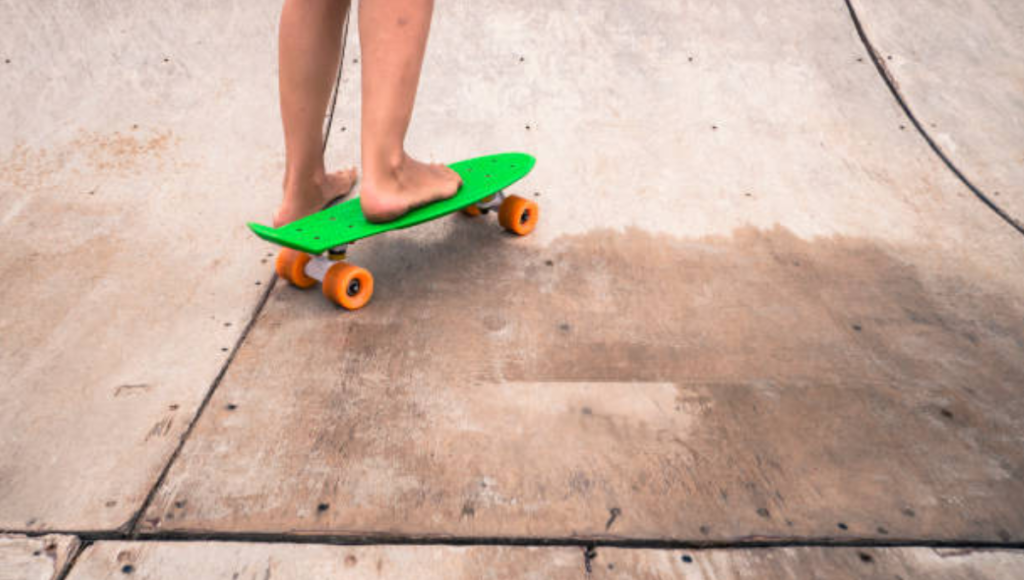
<point>339,184</point>
<point>344,177</point>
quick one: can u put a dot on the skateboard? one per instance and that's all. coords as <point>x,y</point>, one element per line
<point>314,248</point>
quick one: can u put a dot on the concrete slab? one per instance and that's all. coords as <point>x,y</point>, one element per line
<point>960,67</point>
<point>35,558</point>
<point>134,143</point>
<point>200,560</point>
<point>754,307</point>
<point>794,563</point>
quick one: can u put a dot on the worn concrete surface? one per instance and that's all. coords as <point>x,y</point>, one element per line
<point>958,66</point>
<point>237,560</point>
<point>36,558</point>
<point>134,144</point>
<point>755,307</point>
<point>800,563</point>
<point>241,561</point>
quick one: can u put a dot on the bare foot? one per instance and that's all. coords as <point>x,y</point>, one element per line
<point>301,200</point>
<point>409,185</point>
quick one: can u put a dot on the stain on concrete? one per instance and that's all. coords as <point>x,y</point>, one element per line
<point>161,428</point>
<point>122,150</point>
<point>131,389</point>
<point>87,154</point>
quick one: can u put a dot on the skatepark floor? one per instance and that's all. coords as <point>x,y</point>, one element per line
<point>770,324</point>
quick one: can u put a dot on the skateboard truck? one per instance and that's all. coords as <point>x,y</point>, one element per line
<point>486,204</point>
<point>345,284</point>
<point>337,253</point>
<point>317,267</point>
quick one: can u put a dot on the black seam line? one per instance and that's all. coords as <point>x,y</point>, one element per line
<point>883,71</point>
<point>129,529</point>
<point>63,573</point>
<point>553,541</point>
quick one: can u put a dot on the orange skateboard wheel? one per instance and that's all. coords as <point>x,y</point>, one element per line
<point>518,215</point>
<point>348,286</point>
<point>471,210</point>
<point>291,265</point>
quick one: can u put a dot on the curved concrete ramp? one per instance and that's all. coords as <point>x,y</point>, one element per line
<point>759,311</point>
<point>959,66</point>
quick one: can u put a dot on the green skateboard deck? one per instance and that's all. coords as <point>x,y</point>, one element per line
<point>344,223</point>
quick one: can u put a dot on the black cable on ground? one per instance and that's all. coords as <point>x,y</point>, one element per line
<point>887,77</point>
<point>337,79</point>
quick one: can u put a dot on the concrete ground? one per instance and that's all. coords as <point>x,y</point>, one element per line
<point>771,324</point>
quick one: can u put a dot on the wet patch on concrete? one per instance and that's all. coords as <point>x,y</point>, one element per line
<point>757,385</point>
<point>616,306</point>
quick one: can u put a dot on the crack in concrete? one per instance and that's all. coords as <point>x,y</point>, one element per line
<point>91,536</point>
<point>64,572</point>
<point>589,555</point>
<point>130,528</point>
<point>589,546</point>
<point>614,514</point>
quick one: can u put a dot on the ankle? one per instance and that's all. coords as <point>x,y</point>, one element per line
<point>303,183</point>
<point>385,167</point>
